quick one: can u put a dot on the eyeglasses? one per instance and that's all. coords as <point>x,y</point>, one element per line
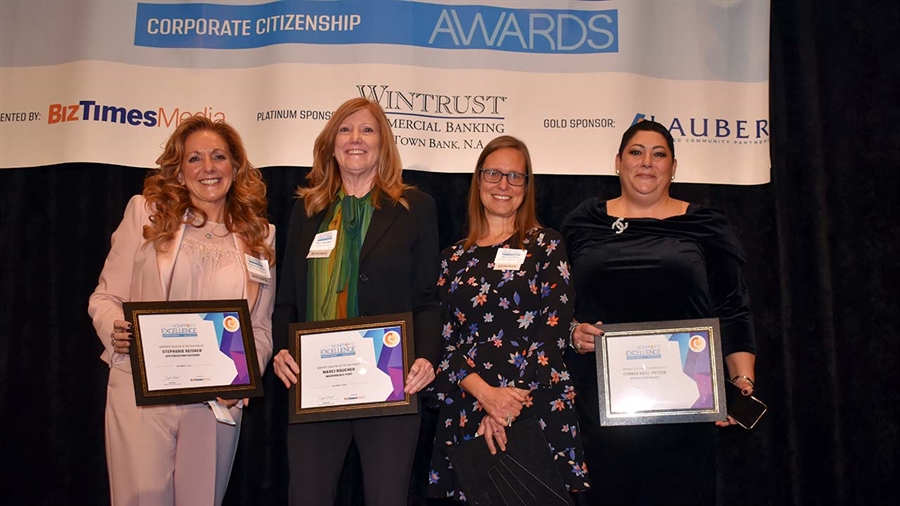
<point>494,176</point>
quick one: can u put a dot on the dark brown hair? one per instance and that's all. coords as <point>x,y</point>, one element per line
<point>647,126</point>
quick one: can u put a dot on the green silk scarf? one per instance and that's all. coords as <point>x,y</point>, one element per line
<point>332,281</point>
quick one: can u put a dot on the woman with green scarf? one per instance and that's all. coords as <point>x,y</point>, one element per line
<point>360,243</point>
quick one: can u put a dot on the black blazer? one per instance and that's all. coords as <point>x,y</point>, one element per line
<point>398,269</point>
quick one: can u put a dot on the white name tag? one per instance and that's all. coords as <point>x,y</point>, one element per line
<point>221,412</point>
<point>509,259</point>
<point>323,244</point>
<point>258,268</point>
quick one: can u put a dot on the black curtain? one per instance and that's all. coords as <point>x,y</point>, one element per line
<point>822,272</point>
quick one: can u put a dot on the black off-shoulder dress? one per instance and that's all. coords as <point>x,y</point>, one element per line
<point>645,269</point>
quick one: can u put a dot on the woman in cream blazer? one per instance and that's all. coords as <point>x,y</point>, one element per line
<point>179,454</point>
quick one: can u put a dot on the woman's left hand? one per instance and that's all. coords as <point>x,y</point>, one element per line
<point>746,389</point>
<point>741,368</point>
<point>230,403</point>
<point>494,434</point>
<point>420,375</point>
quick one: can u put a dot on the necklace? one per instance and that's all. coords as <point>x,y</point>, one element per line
<point>211,233</point>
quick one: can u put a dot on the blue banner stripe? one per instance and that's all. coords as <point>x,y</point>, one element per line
<point>212,26</point>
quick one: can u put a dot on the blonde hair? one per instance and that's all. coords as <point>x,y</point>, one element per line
<point>325,177</point>
<point>170,201</point>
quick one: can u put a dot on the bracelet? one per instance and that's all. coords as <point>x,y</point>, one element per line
<point>741,376</point>
<point>572,326</point>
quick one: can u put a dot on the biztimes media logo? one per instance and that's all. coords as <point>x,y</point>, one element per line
<point>713,130</point>
<point>338,350</point>
<point>90,110</point>
<point>179,330</point>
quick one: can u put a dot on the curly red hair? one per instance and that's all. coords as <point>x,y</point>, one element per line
<point>170,202</point>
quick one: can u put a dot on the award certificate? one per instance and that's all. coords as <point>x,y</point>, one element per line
<point>352,368</point>
<point>192,351</point>
<point>661,372</point>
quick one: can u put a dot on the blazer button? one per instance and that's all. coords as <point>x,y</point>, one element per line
<point>363,277</point>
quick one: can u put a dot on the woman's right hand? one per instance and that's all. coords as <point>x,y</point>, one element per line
<point>121,336</point>
<point>584,335</point>
<point>503,404</point>
<point>286,368</point>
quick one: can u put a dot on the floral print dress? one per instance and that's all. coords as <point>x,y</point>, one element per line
<point>510,327</point>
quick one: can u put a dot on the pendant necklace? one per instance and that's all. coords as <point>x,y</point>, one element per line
<point>210,234</point>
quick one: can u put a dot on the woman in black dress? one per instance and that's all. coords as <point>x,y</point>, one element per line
<point>645,256</point>
<point>505,330</point>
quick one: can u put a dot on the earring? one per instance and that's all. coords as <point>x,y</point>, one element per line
<point>673,177</point>
<point>617,172</point>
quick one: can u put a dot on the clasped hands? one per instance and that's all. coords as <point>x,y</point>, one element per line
<point>502,405</point>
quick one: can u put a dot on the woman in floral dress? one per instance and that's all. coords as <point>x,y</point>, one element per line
<point>508,303</point>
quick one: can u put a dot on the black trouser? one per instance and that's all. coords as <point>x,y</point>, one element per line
<point>316,453</point>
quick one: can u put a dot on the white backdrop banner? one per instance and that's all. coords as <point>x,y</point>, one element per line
<point>107,81</point>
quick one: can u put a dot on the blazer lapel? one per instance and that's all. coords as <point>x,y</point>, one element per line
<point>244,249</point>
<point>381,222</point>
<point>165,261</point>
<point>309,231</point>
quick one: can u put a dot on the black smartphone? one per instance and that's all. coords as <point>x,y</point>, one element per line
<point>746,410</point>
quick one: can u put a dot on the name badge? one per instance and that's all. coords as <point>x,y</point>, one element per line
<point>258,268</point>
<point>509,259</point>
<point>323,244</point>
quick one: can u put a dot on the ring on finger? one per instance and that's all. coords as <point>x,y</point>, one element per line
<point>577,345</point>
<point>114,342</point>
<point>509,420</point>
